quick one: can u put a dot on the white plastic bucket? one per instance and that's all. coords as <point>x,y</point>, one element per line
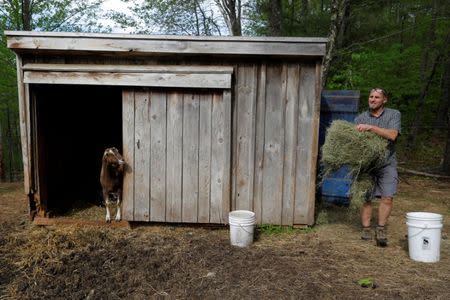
<point>242,227</point>
<point>424,236</point>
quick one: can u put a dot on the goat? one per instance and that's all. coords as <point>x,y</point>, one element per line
<point>111,177</point>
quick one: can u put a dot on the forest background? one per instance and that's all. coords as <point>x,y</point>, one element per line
<point>402,46</point>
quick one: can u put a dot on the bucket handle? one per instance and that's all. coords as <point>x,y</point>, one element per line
<point>423,228</point>
<point>242,227</point>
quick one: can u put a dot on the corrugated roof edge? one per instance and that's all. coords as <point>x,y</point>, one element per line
<point>319,40</point>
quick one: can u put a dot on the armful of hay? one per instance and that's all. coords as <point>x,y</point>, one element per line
<point>361,151</point>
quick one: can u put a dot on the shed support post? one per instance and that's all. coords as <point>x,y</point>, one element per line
<point>24,118</point>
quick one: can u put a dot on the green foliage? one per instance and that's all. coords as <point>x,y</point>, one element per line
<point>367,282</point>
<point>300,18</point>
<point>55,15</point>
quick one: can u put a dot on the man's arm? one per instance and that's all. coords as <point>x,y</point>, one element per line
<point>390,134</point>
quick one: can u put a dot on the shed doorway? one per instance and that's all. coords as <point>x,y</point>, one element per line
<point>72,126</point>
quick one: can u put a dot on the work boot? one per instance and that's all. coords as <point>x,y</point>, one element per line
<point>366,234</point>
<point>380,236</point>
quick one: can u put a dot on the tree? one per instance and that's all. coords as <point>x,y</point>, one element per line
<point>231,12</point>
<point>55,15</point>
<point>2,167</point>
<point>275,18</point>
<point>195,17</point>
<point>427,73</point>
<point>446,109</point>
<point>339,11</point>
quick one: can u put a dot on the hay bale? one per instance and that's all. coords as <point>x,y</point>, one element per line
<point>363,152</point>
<point>344,145</point>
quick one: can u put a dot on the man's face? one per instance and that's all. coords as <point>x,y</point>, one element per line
<point>376,100</point>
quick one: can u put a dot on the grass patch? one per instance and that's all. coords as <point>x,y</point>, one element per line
<point>274,229</point>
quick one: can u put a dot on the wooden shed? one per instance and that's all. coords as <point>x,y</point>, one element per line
<point>206,124</point>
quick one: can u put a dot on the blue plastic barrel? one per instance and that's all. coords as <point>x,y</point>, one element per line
<point>336,105</point>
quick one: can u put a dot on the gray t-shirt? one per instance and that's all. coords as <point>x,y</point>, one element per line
<point>389,119</point>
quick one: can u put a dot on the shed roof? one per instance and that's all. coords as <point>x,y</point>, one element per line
<point>130,45</point>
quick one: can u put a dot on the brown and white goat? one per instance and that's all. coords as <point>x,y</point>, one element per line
<point>111,178</point>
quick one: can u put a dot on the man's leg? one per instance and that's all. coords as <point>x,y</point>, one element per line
<point>384,211</point>
<point>366,214</point>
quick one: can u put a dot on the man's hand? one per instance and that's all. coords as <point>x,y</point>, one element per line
<point>364,127</point>
<point>390,134</point>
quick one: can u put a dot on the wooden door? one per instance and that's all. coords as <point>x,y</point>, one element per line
<point>177,146</point>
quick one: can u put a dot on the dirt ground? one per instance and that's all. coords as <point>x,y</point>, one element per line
<point>155,261</point>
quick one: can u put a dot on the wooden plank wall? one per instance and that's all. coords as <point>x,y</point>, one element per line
<point>177,145</point>
<point>275,113</point>
<point>275,136</point>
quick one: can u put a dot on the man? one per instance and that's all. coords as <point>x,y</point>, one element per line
<point>384,122</point>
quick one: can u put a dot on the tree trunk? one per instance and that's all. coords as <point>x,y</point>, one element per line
<point>9,146</point>
<point>231,12</point>
<point>2,167</point>
<point>275,18</point>
<point>446,98</point>
<point>338,9</point>
<point>444,103</point>
<point>446,163</point>
<point>26,14</point>
<point>304,11</point>
<point>417,122</point>
<point>343,31</point>
<point>429,42</point>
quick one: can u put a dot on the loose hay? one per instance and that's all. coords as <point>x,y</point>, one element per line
<point>361,190</point>
<point>361,151</point>
<point>147,262</point>
<point>86,211</point>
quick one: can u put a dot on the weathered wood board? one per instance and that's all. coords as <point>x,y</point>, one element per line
<point>275,141</point>
<point>181,159</point>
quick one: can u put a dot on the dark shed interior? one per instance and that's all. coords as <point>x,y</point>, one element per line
<point>73,126</point>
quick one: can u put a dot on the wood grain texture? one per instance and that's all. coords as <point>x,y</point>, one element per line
<point>24,125</point>
<point>128,110</point>
<point>190,80</point>
<point>291,111</point>
<point>142,157</point>
<point>174,157</point>
<point>190,157</point>
<point>226,186</point>
<point>205,158</point>
<point>273,146</point>
<point>171,69</point>
<point>220,163</point>
<point>141,45</point>
<point>259,143</point>
<point>245,99</point>
<point>158,156</point>
<point>307,137</point>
